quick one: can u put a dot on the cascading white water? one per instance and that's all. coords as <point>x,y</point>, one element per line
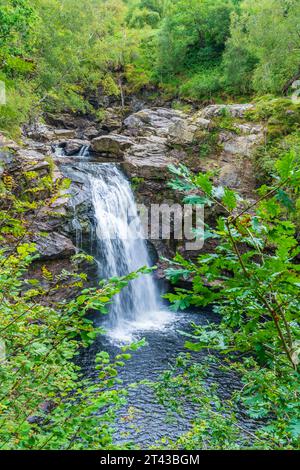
<point>118,246</point>
<point>84,151</point>
<point>121,249</point>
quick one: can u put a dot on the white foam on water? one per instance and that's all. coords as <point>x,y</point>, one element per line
<point>128,332</point>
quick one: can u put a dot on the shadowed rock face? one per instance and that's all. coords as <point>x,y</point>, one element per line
<point>54,246</point>
<point>17,162</point>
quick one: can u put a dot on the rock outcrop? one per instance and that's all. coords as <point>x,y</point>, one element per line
<point>26,168</point>
<point>160,137</point>
<point>149,158</point>
<point>151,154</point>
<point>53,245</point>
<point>74,146</point>
<point>149,121</point>
<point>112,144</point>
<point>113,119</point>
<point>43,133</point>
<point>218,138</point>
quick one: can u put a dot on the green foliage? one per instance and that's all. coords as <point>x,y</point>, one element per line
<point>281,115</point>
<point>57,55</point>
<point>193,33</point>
<point>225,47</point>
<point>17,19</point>
<point>20,102</point>
<point>147,12</point>
<point>215,423</point>
<point>280,118</point>
<point>263,50</point>
<point>60,56</point>
<point>139,72</point>
<point>136,182</point>
<point>252,279</point>
<point>76,49</point>
<point>46,402</point>
<point>235,47</point>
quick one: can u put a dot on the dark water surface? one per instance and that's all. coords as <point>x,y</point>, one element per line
<point>143,420</point>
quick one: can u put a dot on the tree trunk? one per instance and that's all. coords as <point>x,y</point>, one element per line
<point>288,84</point>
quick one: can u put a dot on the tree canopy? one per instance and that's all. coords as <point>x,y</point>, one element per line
<point>59,54</point>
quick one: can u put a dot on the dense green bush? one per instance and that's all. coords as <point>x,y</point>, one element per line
<point>45,401</point>
<point>252,279</point>
<point>60,55</point>
<point>192,34</point>
<point>281,120</point>
<point>204,84</point>
<point>262,52</point>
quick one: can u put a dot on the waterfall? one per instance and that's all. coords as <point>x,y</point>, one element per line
<point>118,246</point>
<point>120,250</point>
<point>84,151</point>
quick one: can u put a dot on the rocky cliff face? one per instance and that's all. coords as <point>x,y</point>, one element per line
<point>218,138</point>
<point>27,168</point>
<point>152,139</point>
